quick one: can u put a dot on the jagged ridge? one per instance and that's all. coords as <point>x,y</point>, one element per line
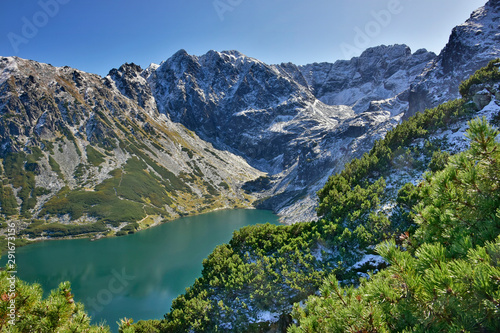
<point>78,148</point>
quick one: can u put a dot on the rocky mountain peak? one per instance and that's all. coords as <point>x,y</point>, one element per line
<point>179,54</point>
<point>380,73</point>
<point>478,32</point>
<point>471,46</point>
<point>395,51</point>
<point>180,59</point>
<point>230,55</point>
<point>129,81</point>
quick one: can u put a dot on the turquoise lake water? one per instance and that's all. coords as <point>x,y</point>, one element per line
<point>135,276</point>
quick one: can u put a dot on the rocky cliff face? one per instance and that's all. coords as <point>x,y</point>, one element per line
<point>75,145</point>
<point>300,124</point>
<point>269,115</point>
<point>376,80</point>
<point>471,46</point>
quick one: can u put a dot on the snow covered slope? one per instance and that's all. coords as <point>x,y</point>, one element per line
<point>269,115</point>
<point>300,124</point>
<point>376,80</point>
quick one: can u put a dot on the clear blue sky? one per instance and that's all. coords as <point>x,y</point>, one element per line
<point>97,35</point>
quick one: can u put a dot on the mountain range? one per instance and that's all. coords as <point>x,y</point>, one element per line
<point>85,154</point>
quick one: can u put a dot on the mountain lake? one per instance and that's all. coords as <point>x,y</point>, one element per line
<point>135,276</point>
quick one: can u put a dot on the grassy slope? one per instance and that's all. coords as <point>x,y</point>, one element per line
<point>141,188</point>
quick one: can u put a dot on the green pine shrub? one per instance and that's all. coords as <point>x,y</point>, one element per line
<point>56,313</point>
<point>487,74</point>
<point>448,279</point>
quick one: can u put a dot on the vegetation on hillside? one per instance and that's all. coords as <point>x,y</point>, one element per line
<point>439,239</point>
<point>23,309</point>
<point>445,277</point>
<point>139,188</point>
<point>267,268</point>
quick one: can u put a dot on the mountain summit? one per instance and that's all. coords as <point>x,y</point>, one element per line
<point>471,46</point>
<point>214,131</point>
<point>297,124</point>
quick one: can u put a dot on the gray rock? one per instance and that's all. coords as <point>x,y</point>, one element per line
<point>471,46</point>
<point>63,112</point>
<point>379,74</point>
<point>481,99</point>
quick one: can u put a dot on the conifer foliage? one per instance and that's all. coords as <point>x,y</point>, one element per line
<point>440,242</point>
<point>463,200</point>
<point>439,239</point>
<point>23,303</point>
<point>444,279</point>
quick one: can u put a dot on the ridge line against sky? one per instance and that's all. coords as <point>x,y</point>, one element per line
<point>96,36</point>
